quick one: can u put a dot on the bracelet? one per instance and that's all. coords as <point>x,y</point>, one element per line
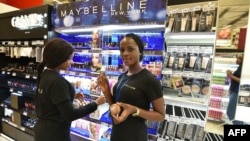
<point>137,112</point>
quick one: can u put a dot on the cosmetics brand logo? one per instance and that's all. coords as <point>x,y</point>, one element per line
<point>128,8</point>
<point>29,21</point>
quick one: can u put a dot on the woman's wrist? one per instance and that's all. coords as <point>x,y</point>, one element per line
<point>135,114</point>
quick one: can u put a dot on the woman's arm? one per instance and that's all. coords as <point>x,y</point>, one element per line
<point>157,114</point>
<point>103,83</point>
<point>231,76</point>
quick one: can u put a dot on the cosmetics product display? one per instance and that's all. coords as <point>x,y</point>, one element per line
<point>180,133</point>
<point>171,129</point>
<point>190,131</point>
<point>199,133</point>
<point>192,19</point>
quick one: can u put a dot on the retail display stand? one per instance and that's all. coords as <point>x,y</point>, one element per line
<point>22,45</point>
<point>179,52</point>
<point>94,30</point>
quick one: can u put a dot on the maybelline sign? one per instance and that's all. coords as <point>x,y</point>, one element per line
<point>101,12</point>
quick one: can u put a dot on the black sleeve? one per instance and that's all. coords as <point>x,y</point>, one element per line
<point>69,113</point>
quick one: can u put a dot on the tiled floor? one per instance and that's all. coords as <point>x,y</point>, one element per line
<point>3,138</point>
<point>215,127</point>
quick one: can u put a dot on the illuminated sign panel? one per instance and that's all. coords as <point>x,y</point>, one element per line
<point>30,21</point>
<point>107,12</point>
<point>25,24</point>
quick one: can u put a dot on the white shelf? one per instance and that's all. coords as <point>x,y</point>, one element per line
<point>199,38</point>
<point>185,102</point>
<point>242,114</point>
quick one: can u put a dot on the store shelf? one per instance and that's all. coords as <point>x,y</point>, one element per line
<point>185,102</point>
<point>190,38</point>
<point>241,114</point>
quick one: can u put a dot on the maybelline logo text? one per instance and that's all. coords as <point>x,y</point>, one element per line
<point>131,87</point>
<point>123,9</point>
<point>29,21</point>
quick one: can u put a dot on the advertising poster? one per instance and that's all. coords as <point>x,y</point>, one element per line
<point>104,12</point>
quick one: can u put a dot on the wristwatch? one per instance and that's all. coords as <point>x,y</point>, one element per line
<point>137,112</point>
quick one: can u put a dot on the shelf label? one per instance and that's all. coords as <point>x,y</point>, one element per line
<point>22,128</point>
<point>27,76</point>
<point>20,92</point>
<point>11,90</point>
<point>25,113</point>
<point>82,74</point>
<point>3,72</point>
<point>72,73</point>
<point>34,77</point>
<point>13,74</point>
<point>12,124</point>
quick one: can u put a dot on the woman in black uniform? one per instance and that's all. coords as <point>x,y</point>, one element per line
<point>54,97</point>
<point>234,90</point>
<point>136,90</point>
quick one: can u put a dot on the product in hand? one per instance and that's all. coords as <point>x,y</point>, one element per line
<point>115,109</point>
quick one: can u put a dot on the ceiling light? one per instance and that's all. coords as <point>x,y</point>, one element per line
<point>110,28</point>
<point>57,1</point>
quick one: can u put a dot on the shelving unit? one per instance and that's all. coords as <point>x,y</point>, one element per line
<point>187,70</point>
<point>220,86</point>
<point>201,44</point>
<point>22,50</point>
<point>109,56</point>
<point>195,43</point>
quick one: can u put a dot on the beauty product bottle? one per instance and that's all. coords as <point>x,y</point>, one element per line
<point>170,23</point>
<point>194,22</point>
<point>177,23</point>
<point>192,61</point>
<point>202,22</point>
<point>183,22</point>
<point>197,66</point>
<point>209,66</point>
<point>181,62</point>
<point>171,61</point>
<point>189,22</point>
<point>209,21</point>
<point>204,62</point>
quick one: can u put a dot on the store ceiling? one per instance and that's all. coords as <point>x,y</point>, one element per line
<point>231,12</point>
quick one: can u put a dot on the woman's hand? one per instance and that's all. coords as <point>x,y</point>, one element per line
<point>127,110</point>
<point>229,73</point>
<point>103,82</point>
<point>100,100</point>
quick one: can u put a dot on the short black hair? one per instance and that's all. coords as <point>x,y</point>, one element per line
<point>56,52</point>
<point>138,41</point>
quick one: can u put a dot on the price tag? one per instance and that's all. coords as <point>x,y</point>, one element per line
<point>13,74</point>
<point>72,73</point>
<point>167,71</point>
<point>11,90</point>
<point>27,76</point>
<point>25,113</point>
<point>3,72</point>
<point>22,128</point>
<point>12,124</point>
<point>82,74</point>
<point>103,123</point>
<point>34,77</point>
<point>8,73</point>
